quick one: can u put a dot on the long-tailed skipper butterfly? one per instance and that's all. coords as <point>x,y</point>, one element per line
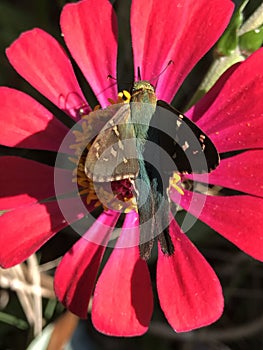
<point>132,145</point>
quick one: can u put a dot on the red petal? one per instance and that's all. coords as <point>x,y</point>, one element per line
<point>40,59</point>
<point>94,25</point>
<point>26,123</point>
<point>77,271</point>
<point>123,300</point>
<point>189,290</point>
<point>237,218</point>
<point>26,229</point>
<point>182,31</point>
<point>234,120</point>
<point>24,181</point>
<point>196,112</point>
<point>242,172</point>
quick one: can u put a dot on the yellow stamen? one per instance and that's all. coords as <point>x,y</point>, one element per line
<point>174,180</point>
<point>127,95</point>
<point>123,97</point>
<point>111,101</point>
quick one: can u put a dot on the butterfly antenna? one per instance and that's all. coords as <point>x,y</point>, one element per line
<point>158,75</point>
<point>111,77</point>
<point>139,73</point>
<point>123,82</point>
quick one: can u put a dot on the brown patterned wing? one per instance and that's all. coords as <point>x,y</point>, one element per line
<point>113,154</point>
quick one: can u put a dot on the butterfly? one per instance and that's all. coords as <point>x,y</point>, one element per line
<point>146,141</point>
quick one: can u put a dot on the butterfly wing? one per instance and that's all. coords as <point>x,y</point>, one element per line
<point>113,154</point>
<point>189,147</point>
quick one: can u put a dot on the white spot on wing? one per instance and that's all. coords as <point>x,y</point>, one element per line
<point>185,146</point>
<point>113,152</point>
<point>178,123</point>
<point>120,144</point>
<point>115,129</point>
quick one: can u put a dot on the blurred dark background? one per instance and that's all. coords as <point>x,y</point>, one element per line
<point>241,325</point>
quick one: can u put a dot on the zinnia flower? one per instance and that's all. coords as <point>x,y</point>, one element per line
<point>189,292</point>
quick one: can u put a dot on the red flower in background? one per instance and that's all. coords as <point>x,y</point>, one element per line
<point>231,114</point>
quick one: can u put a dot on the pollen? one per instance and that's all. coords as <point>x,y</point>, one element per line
<point>123,97</point>
<point>174,181</point>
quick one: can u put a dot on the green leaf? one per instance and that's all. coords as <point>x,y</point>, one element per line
<point>251,41</point>
<point>13,321</point>
<point>229,40</point>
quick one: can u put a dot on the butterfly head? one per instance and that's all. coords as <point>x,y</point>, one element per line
<point>143,92</point>
<point>142,85</point>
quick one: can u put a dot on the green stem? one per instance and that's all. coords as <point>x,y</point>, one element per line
<point>218,67</point>
<point>253,22</point>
